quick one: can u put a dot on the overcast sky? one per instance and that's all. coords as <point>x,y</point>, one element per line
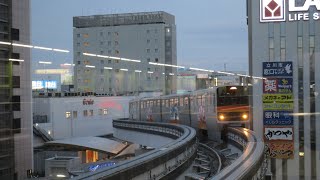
<point>209,32</point>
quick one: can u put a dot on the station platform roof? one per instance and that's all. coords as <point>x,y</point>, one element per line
<point>89,143</point>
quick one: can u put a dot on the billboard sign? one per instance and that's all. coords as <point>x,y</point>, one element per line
<point>44,84</point>
<point>277,85</point>
<point>277,118</point>
<point>280,69</point>
<point>280,150</point>
<point>275,10</point>
<point>278,133</point>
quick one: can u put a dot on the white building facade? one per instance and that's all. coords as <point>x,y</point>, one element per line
<point>288,33</point>
<point>147,37</point>
<point>82,116</point>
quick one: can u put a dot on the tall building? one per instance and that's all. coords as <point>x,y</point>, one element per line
<point>284,45</point>
<point>16,152</point>
<point>147,36</point>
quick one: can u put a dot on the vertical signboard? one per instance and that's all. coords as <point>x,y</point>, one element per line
<point>277,103</point>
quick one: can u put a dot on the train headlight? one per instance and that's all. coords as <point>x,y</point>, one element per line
<point>245,116</point>
<point>221,117</point>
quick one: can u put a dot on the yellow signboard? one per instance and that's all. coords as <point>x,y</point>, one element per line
<point>277,98</point>
<point>278,106</point>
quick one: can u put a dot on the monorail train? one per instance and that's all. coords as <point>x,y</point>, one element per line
<point>205,110</point>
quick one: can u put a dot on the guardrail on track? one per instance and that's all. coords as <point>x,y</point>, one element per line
<point>215,167</point>
<point>252,163</point>
<point>165,162</point>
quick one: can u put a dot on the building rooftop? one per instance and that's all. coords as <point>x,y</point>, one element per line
<point>92,143</point>
<point>158,17</point>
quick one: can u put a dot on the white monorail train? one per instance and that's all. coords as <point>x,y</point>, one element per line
<point>205,110</point>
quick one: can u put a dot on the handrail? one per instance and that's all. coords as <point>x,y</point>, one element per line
<point>248,164</point>
<point>184,143</point>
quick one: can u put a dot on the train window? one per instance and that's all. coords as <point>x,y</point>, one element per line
<point>163,103</point>
<point>171,102</point>
<point>204,100</point>
<point>151,103</point>
<point>141,105</point>
<point>181,101</point>
<point>199,101</point>
<point>167,103</point>
<point>158,104</point>
<point>186,101</point>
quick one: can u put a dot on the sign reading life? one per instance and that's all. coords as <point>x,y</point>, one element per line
<point>275,10</point>
<point>303,16</point>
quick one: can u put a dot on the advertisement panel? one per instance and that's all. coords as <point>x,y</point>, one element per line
<point>280,69</point>
<point>277,98</point>
<point>278,133</point>
<point>280,150</point>
<point>44,84</point>
<point>278,106</point>
<point>277,118</point>
<point>277,85</point>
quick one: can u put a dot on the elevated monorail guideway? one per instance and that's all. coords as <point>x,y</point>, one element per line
<point>167,162</point>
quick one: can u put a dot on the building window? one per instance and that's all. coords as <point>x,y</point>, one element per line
<point>148,41</point>
<point>109,61</point>
<point>16,105</point>
<point>148,69</point>
<point>86,35</point>
<point>109,33</point>
<point>17,125</point>
<point>101,71</point>
<point>283,42</point>
<point>90,113</point>
<point>109,43</point>
<point>78,35</point>
<point>155,50</point>
<point>85,113</point>
<point>16,81</point>
<point>86,44</point>
<point>116,33</point>
<point>109,52</point>
<point>300,41</point>
<point>101,52</point>
<point>68,115</point>
<point>102,61</point>
<point>148,31</point>
<point>148,59</point>
<point>86,62</point>
<point>103,111</point>
<point>78,44</point>
<point>148,50</point>
<point>116,43</point>
<point>117,52</point>
<point>117,70</point>
<point>117,61</point>
<point>311,41</point>
<point>79,62</point>
<point>101,42</point>
<point>156,60</point>
<point>101,33</point>
<point>75,114</point>
<point>78,53</point>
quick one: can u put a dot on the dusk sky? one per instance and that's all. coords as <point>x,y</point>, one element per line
<point>209,33</point>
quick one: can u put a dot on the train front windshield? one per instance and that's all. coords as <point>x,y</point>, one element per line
<point>233,104</point>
